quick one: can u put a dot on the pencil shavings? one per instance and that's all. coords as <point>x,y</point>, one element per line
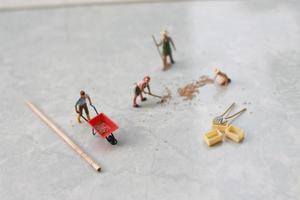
<point>190,90</point>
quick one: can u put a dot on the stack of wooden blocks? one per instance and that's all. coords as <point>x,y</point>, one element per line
<point>218,132</point>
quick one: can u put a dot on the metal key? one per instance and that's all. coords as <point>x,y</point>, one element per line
<point>223,119</point>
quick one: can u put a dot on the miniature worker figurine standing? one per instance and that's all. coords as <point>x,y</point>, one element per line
<point>221,78</point>
<point>140,89</point>
<point>166,48</point>
<point>81,105</point>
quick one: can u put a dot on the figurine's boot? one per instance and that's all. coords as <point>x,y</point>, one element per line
<point>143,98</point>
<point>136,105</point>
<point>78,119</point>
<point>171,58</point>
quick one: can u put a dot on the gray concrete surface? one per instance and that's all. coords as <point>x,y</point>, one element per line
<point>48,56</point>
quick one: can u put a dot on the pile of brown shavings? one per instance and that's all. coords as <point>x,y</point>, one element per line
<point>189,91</point>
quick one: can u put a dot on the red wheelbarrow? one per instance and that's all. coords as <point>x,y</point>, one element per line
<point>104,126</point>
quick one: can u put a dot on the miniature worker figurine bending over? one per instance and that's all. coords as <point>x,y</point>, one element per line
<point>81,105</point>
<point>221,78</point>
<point>166,48</point>
<point>140,89</point>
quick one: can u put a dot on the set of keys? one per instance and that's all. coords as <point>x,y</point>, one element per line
<point>221,125</point>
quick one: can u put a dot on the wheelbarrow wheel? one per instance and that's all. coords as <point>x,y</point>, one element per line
<point>111,139</point>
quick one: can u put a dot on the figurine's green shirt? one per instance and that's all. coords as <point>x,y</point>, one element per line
<point>166,47</point>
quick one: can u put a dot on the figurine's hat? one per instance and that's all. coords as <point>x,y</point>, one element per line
<point>146,78</point>
<point>164,32</point>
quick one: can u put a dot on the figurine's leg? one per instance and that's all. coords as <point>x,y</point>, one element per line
<point>86,110</point>
<point>143,98</point>
<point>171,58</point>
<point>134,102</point>
<point>78,118</point>
<point>79,114</point>
<point>136,93</point>
<point>165,63</point>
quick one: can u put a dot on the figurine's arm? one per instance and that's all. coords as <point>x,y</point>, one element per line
<point>89,99</point>
<point>172,43</point>
<point>77,111</point>
<point>148,87</point>
<point>160,43</point>
<point>149,91</point>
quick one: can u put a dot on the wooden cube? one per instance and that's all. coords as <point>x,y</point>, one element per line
<point>219,127</point>
<point>234,133</point>
<point>213,137</point>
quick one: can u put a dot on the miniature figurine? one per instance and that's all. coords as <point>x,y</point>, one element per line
<point>81,105</point>
<point>140,89</point>
<point>221,78</point>
<point>166,48</point>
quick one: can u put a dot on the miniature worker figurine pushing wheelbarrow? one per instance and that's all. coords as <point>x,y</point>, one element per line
<point>166,48</point>
<point>100,124</point>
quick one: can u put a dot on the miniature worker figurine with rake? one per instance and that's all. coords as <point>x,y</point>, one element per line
<point>140,89</point>
<point>166,48</point>
<point>81,105</point>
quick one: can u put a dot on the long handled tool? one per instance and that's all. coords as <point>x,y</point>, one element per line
<point>63,136</point>
<point>162,99</point>
<point>156,44</point>
<point>154,95</point>
<point>96,111</point>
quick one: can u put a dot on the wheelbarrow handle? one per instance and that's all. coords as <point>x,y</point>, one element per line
<point>94,109</point>
<point>93,130</point>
